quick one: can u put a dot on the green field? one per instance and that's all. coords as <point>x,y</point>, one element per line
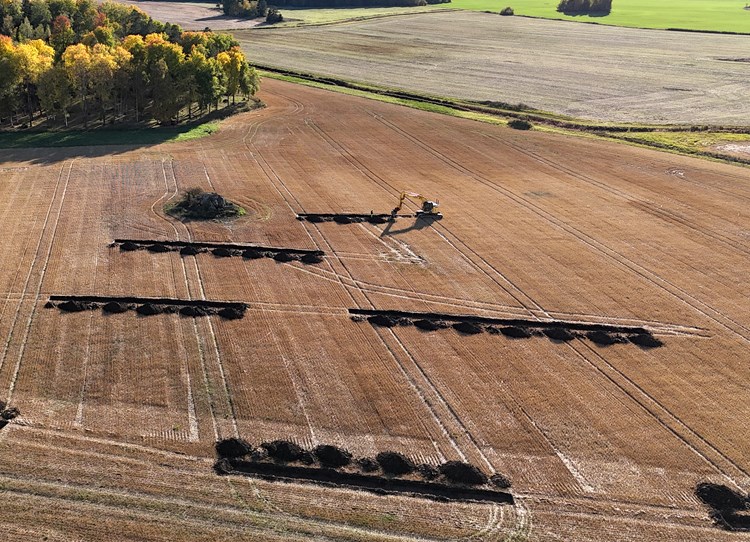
<point>717,15</point>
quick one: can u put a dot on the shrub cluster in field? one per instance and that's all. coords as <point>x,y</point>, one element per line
<point>252,9</point>
<point>584,6</point>
<point>59,56</point>
<point>329,456</point>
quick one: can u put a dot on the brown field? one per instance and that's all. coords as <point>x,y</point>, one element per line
<point>192,15</point>
<point>119,413</point>
<point>586,71</point>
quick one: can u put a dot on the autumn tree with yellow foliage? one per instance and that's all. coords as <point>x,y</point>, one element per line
<point>114,62</point>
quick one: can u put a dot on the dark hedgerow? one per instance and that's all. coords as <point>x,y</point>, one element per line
<point>507,11</point>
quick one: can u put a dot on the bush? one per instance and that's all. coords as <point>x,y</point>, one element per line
<point>233,447</point>
<point>395,463</point>
<point>507,11</point>
<point>274,16</point>
<point>578,7</point>
<point>520,124</point>
<point>462,473</point>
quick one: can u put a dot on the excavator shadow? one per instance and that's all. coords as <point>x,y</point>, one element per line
<point>420,222</point>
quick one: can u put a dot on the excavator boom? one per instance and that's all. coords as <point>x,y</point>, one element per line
<point>428,206</point>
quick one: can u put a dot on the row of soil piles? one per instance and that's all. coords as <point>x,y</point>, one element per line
<point>556,330</point>
<point>146,306</point>
<point>349,218</point>
<point>387,473</point>
<point>729,508</point>
<point>222,250</point>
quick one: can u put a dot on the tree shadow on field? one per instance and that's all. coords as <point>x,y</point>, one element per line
<point>420,223</point>
<point>45,156</point>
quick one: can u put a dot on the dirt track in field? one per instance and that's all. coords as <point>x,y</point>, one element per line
<point>586,71</point>
<point>120,412</point>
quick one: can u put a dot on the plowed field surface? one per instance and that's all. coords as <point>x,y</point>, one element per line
<point>119,413</point>
<point>587,71</point>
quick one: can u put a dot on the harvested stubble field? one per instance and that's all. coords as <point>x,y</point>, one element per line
<point>192,15</point>
<point>586,71</point>
<point>120,413</point>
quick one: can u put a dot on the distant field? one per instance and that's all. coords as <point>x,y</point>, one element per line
<point>715,15</point>
<point>587,71</point>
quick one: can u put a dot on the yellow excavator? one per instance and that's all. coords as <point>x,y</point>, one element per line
<point>428,210</point>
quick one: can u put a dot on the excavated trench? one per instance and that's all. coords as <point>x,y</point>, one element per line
<point>350,218</point>
<point>380,485</point>
<point>222,250</point>
<point>147,306</point>
<point>558,331</point>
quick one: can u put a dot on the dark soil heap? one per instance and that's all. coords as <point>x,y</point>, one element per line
<point>395,463</point>
<point>200,205</point>
<point>284,450</point>
<point>458,472</point>
<point>233,447</point>
<point>332,456</point>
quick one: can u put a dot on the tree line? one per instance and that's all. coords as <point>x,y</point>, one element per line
<point>112,61</point>
<point>260,8</point>
<point>585,6</point>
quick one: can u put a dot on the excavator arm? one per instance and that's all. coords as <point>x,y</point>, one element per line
<point>427,206</point>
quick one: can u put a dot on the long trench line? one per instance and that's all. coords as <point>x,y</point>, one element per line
<point>42,273</point>
<point>605,250</point>
<point>462,429</point>
<point>393,354</point>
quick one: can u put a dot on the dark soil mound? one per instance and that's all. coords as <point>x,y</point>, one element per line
<point>341,219</point>
<point>458,472</point>
<point>189,251</point>
<point>115,307</point>
<point>158,247</point>
<point>49,305</point>
<point>251,254</point>
<point>383,320</point>
<point>128,246</point>
<point>645,340</point>
<point>312,258</point>
<point>515,332</point>
<point>284,450</point>
<point>467,328</point>
<point>492,330</point>
<point>259,454</point>
<point>559,334</point>
<point>231,313</point>
<point>428,472</point>
<point>75,306</point>
<point>426,325</point>
<point>221,252</point>
<point>500,480</point>
<point>368,464</point>
<point>10,413</point>
<point>332,456</point>
<point>602,338</point>
<point>205,206</point>
<point>233,447</point>
<point>395,463</point>
<point>193,310</point>
<point>307,458</point>
<point>148,309</point>
<point>314,218</point>
<point>375,219</point>
<point>283,257</point>
<point>720,497</point>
